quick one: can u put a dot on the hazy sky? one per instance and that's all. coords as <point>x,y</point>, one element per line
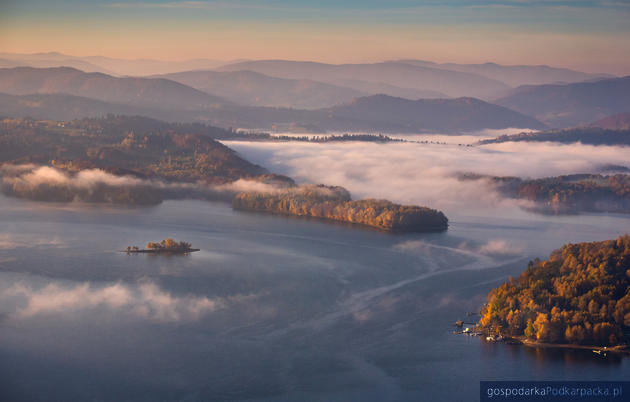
<point>591,35</point>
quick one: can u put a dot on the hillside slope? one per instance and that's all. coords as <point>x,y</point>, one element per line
<point>144,92</point>
<point>571,105</point>
<point>451,83</point>
<point>255,89</point>
<point>515,75</point>
<point>616,122</point>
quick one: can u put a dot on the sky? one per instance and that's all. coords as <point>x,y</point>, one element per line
<point>589,35</point>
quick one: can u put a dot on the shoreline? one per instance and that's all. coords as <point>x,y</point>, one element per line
<point>619,349</point>
<point>351,224</point>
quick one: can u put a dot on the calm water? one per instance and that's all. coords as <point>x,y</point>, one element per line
<point>271,309</point>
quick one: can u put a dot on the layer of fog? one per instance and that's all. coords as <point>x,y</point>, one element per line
<point>145,300</point>
<point>425,173</point>
<point>29,178</point>
<point>17,240</point>
<point>33,175</point>
<point>492,248</point>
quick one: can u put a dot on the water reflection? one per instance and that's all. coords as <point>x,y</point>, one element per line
<point>585,357</point>
<point>271,309</point>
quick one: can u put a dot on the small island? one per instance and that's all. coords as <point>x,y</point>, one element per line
<point>167,245</point>
<point>578,298</point>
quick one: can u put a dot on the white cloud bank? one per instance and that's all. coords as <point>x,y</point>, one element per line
<point>424,173</point>
<point>38,175</point>
<point>500,247</point>
<point>490,248</point>
<point>146,301</point>
<point>30,177</point>
<point>12,241</point>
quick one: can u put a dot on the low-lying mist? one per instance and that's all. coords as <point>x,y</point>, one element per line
<point>145,300</point>
<point>406,173</point>
<point>45,183</point>
<point>426,174</point>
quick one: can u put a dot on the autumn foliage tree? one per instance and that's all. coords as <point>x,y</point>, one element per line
<point>334,203</point>
<point>169,244</point>
<point>580,295</point>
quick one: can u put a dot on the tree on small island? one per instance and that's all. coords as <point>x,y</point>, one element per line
<point>167,245</point>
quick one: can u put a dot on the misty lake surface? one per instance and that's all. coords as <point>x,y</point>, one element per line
<point>271,309</point>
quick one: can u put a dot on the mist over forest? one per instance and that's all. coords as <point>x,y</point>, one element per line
<point>358,201</point>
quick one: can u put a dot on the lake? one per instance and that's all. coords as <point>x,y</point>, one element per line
<point>272,308</point>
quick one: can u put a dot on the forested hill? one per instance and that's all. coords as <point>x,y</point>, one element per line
<point>571,105</point>
<point>145,92</point>
<point>568,194</point>
<point>580,295</point>
<point>55,161</point>
<point>585,135</point>
<point>616,122</point>
<point>384,112</point>
<point>120,144</point>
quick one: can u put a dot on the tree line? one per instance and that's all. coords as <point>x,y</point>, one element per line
<point>334,203</point>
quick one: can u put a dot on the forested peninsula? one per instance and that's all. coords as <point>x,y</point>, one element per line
<point>138,161</point>
<point>569,194</point>
<point>122,160</point>
<point>129,145</point>
<point>335,203</point>
<point>584,135</point>
<point>580,295</point>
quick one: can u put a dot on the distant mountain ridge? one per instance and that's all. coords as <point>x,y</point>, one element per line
<point>570,105</point>
<point>255,89</point>
<point>381,113</point>
<point>63,92</point>
<point>378,113</point>
<point>460,114</point>
<point>108,65</point>
<point>516,75</point>
<point>145,92</point>
<point>69,107</point>
<point>616,122</point>
<point>407,78</point>
<point>50,60</point>
<point>451,83</point>
<point>6,63</point>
